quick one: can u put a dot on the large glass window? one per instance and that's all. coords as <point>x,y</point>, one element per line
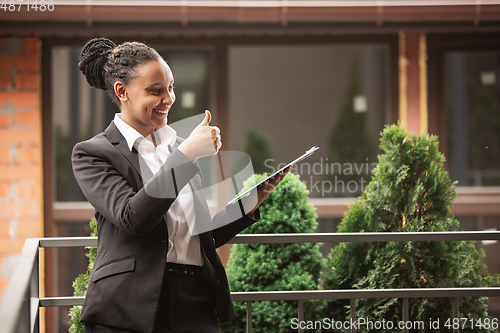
<point>285,99</point>
<point>473,109</point>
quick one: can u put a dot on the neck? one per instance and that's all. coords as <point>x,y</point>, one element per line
<point>144,130</point>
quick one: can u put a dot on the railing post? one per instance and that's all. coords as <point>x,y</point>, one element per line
<point>249,316</point>
<point>301,314</point>
<point>35,294</point>
<point>353,313</point>
<point>16,304</point>
<point>19,309</point>
<point>455,312</point>
<point>406,314</point>
<point>24,317</point>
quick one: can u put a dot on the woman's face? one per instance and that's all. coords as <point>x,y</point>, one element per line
<point>147,98</point>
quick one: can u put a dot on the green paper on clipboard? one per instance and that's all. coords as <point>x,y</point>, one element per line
<point>298,159</point>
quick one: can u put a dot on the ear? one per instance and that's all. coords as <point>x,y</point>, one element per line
<point>120,91</point>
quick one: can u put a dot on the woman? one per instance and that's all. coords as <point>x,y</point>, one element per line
<point>151,274</point>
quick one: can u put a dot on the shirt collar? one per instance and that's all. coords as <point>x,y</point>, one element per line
<point>165,135</point>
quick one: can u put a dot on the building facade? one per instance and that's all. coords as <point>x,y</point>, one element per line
<point>300,73</point>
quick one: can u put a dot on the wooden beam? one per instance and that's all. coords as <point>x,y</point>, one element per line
<point>413,112</point>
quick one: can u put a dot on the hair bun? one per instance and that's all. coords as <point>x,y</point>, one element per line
<point>93,58</point>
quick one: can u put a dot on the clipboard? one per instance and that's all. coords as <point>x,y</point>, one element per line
<point>298,159</point>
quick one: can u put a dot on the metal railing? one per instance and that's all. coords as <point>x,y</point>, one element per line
<point>19,310</point>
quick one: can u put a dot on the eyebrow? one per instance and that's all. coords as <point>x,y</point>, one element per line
<point>160,84</point>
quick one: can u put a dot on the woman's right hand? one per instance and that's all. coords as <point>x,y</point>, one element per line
<point>204,140</point>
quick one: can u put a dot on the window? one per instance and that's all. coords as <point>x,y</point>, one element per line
<point>464,112</point>
<point>472,91</point>
<point>293,97</point>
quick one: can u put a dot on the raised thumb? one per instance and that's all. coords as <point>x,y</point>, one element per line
<point>207,119</point>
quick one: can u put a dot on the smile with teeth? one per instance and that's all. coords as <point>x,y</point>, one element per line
<point>162,111</point>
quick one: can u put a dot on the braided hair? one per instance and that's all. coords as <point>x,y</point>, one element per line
<point>103,63</point>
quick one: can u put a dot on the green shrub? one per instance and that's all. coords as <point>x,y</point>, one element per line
<point>81,282</point>
<point>277,267</point>
<point>410,192</point>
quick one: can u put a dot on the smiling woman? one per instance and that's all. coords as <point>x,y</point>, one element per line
<point>146,100</point>
<point>151,274</point>
<point>133,73</point>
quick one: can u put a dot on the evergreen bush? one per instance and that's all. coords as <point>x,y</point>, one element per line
<point>81,282</point>
<point>277,267</point>
<point>410,192</point>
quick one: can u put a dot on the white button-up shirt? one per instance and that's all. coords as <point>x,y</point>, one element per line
<point>182,247</point>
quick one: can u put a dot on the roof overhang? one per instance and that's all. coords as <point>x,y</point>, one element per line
<point>206,15</point>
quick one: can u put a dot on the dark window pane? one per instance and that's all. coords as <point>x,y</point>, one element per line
<point>192,82</point>
<point>473,116</point>
<point>78,113</point>
<point>289,98</point>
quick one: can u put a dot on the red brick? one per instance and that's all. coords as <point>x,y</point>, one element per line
<point>28,228</point>
<point>4,228</point>
<point>28,191</point>
<point>5,81</point>
<point>3,282</point>
<point>25,228</point>
<point>13,173</point>
<point>27,81</point>
<point>26,63</point>
<point>20,210</point>
<point>6,63</point>
<point>27,155</point>
<point>5,189</point>
<point>28,118</point>
<point>5,156</point>
<point>20,98</point>
<point>10,246</point>
<point>19,136</point>
<point>6,120</point>
<point>31,45</point>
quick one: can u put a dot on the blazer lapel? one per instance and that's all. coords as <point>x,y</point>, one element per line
<point>202,212</point>
<point>117,139</point>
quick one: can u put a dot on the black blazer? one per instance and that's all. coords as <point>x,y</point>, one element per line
<point>125,283</point>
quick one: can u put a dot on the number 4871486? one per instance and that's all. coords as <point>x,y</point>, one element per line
<point>31,5</point>
<point>462,323</point>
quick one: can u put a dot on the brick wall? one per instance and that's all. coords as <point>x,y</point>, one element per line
<point>20,150</point>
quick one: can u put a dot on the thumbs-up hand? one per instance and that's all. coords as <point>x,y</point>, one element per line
<point>206,121</point>
<point>204,140</point>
